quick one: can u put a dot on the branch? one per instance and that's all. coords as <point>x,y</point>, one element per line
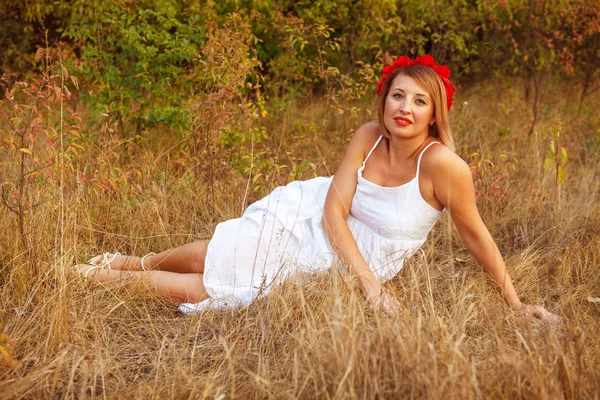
<point>33,171</point>
<point>13,207</point>
<point>593,90</point>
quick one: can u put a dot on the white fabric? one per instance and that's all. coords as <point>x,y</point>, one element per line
<point>282,233</point>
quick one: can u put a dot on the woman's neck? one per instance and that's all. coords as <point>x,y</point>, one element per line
<point>402,151</point>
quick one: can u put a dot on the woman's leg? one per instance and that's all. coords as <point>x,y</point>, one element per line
<point>185,259</point>
<point>183,287</point>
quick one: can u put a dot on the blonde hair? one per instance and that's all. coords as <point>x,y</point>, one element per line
<point>429,80</point>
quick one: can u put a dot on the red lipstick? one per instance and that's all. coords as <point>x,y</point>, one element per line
<point>402,121</point>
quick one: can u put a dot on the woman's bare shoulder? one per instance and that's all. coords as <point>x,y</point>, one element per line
<point>439,160</point>
<point>369,128</point>
<point>361,143</point>
<point>366,136</point>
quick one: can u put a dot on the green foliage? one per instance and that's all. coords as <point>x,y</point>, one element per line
<point>448,30</point>
<point>528,37</point>
<point>262,164</point>
<point>137,59</point>
<point>227,66</point>
<point>539,34</point>
<point>137,54</point>
<point>24,25</point>
<point>303,63</point>
<point>178,63</point>
<point>374,26</point>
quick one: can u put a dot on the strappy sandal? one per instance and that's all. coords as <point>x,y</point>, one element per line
<point>105,260</point>
<point>98,262</point>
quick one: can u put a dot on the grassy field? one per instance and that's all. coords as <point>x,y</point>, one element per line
<point>314,337</point>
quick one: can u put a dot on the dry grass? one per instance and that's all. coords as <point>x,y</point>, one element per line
<point>316,336</point>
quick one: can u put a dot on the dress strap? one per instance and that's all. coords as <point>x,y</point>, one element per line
<point>421,155</point>
<point>373,148</point>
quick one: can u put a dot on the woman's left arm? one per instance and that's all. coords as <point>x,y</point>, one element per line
<point>453,187</point>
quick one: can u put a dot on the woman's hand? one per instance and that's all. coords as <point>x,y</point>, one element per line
<point>540,313</point>
<point>385,302</point>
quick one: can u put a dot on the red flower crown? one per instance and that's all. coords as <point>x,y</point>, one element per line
<point>426,60</point>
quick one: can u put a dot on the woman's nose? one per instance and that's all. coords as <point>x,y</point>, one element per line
<point>405,106</point>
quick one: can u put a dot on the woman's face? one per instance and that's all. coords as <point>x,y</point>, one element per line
<point>408,109</point>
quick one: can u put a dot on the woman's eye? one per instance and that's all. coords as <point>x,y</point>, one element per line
<point>421,102</point>
<point>397,96</point>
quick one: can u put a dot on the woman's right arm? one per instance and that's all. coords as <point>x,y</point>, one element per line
<point>335,215</point>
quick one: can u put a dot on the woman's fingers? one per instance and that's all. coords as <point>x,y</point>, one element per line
<point>539,312</point>
<point>390,305</point>
<point>386,303</point>
<point>554,319</point>
<point>551,318</point>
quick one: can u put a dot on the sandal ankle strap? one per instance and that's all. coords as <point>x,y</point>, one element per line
<point>85,276</point>
<point>144,258</point>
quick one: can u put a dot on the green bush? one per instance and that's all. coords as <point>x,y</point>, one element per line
<point>136,59</point>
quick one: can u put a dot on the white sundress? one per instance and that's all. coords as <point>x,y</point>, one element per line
<point>282,234</point>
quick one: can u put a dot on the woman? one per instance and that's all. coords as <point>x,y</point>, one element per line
<point>397,177</point>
